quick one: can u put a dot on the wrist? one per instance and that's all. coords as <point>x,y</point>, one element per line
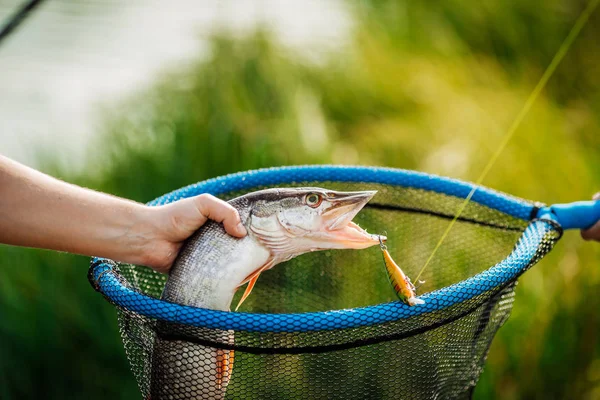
<point>148,240</point>
<point>141,234</point>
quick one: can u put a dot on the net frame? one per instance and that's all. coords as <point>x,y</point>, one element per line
<point>105,278</point>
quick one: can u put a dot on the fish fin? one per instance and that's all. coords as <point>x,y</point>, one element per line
<point>252,278</point>
<point>249,288</point>
<point>224,367</point>
<point>258,271</point>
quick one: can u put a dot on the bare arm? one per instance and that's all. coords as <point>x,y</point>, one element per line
<point>594,232</point>
<point>37,210</point>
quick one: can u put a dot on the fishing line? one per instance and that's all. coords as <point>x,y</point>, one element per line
<point>15,20</point>
<point>560,54</point>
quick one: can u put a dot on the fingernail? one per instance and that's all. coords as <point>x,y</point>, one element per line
<point>241,229</point>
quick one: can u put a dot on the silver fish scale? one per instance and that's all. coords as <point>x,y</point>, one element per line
<point>199,265</point>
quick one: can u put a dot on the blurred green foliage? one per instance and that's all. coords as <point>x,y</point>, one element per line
<point>430,86</point>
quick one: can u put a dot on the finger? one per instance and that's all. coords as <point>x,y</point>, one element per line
<point>594,232</point>
<point>220,211</point>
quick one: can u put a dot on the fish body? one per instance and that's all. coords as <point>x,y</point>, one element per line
<point>401,283</point>
<point>212,265</point>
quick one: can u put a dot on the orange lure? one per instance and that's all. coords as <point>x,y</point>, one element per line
<point>400,282</point>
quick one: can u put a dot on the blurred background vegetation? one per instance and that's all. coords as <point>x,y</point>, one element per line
<point>430,86</point>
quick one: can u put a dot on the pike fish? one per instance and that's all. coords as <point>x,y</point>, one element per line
<point>282,224</point>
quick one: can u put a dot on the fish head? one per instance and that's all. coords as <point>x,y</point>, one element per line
<point>293,221</point>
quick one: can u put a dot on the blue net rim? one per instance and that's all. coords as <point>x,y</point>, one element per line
<point>104,274</point>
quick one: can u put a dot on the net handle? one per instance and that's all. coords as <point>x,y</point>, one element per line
<point>576,215</point>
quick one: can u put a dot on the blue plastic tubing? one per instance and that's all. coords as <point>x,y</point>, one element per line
<point>577,215</point>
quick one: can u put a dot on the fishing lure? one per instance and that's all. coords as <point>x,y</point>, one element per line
<point>401,283</point>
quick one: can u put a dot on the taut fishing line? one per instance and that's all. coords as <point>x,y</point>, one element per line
<point>560,54</point>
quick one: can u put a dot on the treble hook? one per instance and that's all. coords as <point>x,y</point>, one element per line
<point>383,246</point>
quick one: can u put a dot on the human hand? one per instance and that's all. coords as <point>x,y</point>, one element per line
<point>171,224</point>
<point>592,233</point>
<point>39,211</point>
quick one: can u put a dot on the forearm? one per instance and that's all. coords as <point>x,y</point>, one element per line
<point>37,210</point>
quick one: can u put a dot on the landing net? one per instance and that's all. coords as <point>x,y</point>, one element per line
<point>327,325</point>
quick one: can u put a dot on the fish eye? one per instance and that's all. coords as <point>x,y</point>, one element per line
<point>313,200</point>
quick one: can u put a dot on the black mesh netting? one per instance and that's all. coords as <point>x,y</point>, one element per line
<point>438,354</point>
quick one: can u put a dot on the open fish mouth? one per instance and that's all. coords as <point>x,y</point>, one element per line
<point>339,227</point>
<point>353,235</point>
